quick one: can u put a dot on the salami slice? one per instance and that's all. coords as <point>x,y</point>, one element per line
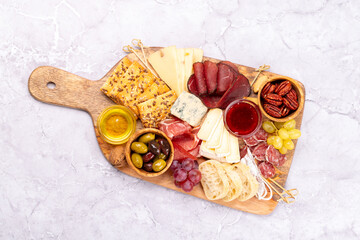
<point>267,169</point>
<point>251,141</point>
<point>273,156</point>
<point>282,160</point>
<point>261,135</point>
<point>243,151</point>
<point>259,151</point>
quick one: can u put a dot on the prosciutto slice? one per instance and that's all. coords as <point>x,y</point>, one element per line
<point>174,127</point>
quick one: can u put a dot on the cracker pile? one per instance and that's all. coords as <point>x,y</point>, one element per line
<point>227,182</point>
<point>147,96</point>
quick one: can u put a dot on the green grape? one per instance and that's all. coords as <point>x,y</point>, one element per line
<point>290,124</point>
<point>283,133</point>
<point>278,142</point>
<point>294,133</point>
<point>288,144</point>
<point>283,150</point>
<point>268,127</point>
<point>270,140</point>
<point>279,125</point>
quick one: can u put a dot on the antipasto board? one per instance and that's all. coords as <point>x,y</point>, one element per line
<point>76,92</point>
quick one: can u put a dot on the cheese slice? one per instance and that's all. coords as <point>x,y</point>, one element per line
<point>189,53</point>
<point>234,155</point>
<point>214,140</point>
<point>211,120</point>
<point>198,55</point>
<point>224,150</point>
<point>180,53</point>
<point>165,64</point>
<point>209,153</point>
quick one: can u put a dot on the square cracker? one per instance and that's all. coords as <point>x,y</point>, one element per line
<point>156,109</point>
<point>157,88</point>
<point>131,85</point>
<point>120,69</point>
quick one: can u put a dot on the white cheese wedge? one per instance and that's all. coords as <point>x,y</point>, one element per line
<point>165,64</point>
<point>214,140</point>
<point>209,153</point>
<point>209,124</point>
<point>234,155</point>
<point>224,150</point>
<point>198,55</point>
<point>180,52</point>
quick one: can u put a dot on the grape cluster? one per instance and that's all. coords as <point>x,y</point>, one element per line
<point>284,133</point>
<point>186,174</point>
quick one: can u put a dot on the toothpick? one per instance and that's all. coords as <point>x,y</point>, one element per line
<point>291,193</point>
<point>259,70</point>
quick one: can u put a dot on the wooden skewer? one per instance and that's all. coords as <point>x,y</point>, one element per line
<point>287,196</point>
<point>259,70</point>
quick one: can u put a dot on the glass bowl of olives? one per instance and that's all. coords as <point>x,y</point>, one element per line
<point>149,152</point>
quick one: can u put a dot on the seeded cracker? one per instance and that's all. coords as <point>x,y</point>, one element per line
<point>131,85</point>
<point>157,88</point>
<point>156,109</point>
<point>120,69</point>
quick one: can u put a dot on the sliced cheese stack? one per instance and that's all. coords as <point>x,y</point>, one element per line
<point>175,65</point>
<point>217,142</point>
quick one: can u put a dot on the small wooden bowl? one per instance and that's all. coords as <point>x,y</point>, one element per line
<point>299,89</point>
<point>140,171</point>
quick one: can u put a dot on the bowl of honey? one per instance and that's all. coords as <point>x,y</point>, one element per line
<point>242,118</point>
<point>116,124</point>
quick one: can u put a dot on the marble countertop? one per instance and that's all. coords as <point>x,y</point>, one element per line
<point>55,182</point>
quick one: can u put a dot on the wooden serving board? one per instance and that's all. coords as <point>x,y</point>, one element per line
<point>76,92</point>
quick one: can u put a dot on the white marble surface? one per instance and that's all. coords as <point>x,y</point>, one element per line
<point>55,182</point>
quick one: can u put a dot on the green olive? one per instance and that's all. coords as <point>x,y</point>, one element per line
<point>137,160</point>
<point>161,156</point>
<point>158,165</point>
<point>147,137</point>
<point>139,147</point>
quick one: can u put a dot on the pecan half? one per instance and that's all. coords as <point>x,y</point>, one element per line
<point>291,103</point>
<point>272,110</point>
<point>284,111</point>
<point>268,88</point>
<point>292,94</point>
<point>273,99</point>
<point>283,88</point>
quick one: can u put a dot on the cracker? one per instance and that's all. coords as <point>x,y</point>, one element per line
<point>156,109</point>
<point>157,88</point>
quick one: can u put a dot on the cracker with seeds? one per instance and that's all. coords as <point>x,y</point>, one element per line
<point>156,109</point>
<point>157,88</point>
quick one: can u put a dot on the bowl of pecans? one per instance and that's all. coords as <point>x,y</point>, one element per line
<point>281,99</point>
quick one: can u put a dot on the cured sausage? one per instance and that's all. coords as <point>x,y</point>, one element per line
<point>211,71</point>
<point>259,151</point>
<point>274,157</point>
<point>251,141</point>
<point>200,78</point>
<point>267,169</point>
<point>261,135</point>
<point>192,85</point>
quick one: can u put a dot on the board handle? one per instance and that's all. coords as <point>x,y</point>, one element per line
<point>56,86</point>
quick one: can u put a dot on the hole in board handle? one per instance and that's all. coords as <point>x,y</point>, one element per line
<point>51,85</point>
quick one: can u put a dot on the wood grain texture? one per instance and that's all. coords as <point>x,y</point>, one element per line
<point>77,92</point>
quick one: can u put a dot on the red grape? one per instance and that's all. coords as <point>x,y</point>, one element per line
<point>177,184</point>
<point>188,164</point>
<point>187,185</point>
<point>175,165</point>
<point>180,175</point>
<point>194,176</point>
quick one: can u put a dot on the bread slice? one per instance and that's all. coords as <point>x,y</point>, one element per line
<point>242,170</point>
<point>120,70</point>
<point>157,88</point>
<point>156,109</point>
<point>235,184</point>
<point>214,180</point>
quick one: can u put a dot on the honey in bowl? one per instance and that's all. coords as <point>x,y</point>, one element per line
<point>116,124</point>
<point>242,118</point>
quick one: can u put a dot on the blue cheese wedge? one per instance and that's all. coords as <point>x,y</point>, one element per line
<point>189,108</point>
